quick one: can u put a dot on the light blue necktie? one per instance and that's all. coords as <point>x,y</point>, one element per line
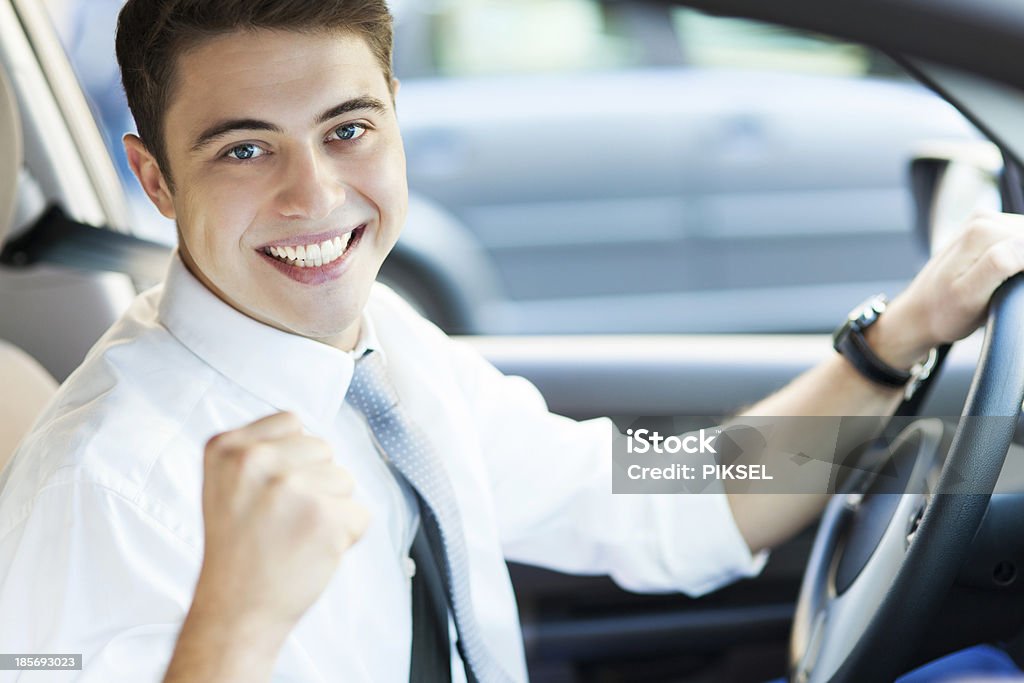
<point>409,452</point>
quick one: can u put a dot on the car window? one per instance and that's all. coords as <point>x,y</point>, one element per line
<point>86,29</point>
<point>710,41</point>
<point>579,166</point>
<point>493,37</point>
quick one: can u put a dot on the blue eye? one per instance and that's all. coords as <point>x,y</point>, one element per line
<point>350,131</point>
<point>245,152</point>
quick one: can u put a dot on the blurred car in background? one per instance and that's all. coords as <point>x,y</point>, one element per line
<point>594,166</point>
<point>629,167</point>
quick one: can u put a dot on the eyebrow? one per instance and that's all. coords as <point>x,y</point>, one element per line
<point>222,128</point>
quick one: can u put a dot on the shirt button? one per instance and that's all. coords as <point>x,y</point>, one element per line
<point>409,567</point>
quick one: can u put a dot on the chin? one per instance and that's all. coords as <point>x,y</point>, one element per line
<point>325,330</point>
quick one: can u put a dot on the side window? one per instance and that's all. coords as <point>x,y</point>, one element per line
<point>86,29</point>
<point>509,37</point>
<point>709,41</point>
<point>630,167</point>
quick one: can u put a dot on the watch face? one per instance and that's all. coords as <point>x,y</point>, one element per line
<point>868,311</point>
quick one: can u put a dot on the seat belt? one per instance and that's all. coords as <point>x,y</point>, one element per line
<point>57,239</point>
<point>431,647</point>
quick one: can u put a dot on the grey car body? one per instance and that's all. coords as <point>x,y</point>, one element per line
<point>642,200</point>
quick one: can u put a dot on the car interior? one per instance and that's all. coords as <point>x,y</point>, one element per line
<point>27,386</point>
<point>575,628</point>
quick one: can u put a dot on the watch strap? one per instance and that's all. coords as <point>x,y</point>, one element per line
<point>855,348</point>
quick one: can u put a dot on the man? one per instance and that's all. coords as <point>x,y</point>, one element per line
<point>210,496</point>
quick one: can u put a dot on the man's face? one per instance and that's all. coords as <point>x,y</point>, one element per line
<point>282,145</point>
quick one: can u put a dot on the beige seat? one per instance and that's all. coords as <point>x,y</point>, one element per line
<point>25,386</point>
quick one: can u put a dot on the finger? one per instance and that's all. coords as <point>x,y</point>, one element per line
<point>276,426</point>
<point>262,460</point>
<point>1002,260</point>
<point>357,518</point>
<point>349,520</point>
<point>321,478</point>
<point>273,426</point>
<point>981,233</point>
<point>238,441</point>
<point>295,450</point>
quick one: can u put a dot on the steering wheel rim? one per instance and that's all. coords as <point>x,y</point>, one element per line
<point>929,563</point>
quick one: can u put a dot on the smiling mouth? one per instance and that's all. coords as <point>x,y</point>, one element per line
<point>318,254</point>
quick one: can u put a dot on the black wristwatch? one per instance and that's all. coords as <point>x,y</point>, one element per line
<point>849,341</point>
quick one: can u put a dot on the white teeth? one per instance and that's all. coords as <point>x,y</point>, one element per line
<point>327,251</point>
<point>313,255</point>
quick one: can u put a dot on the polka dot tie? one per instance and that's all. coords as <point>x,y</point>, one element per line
<point>407,449</point>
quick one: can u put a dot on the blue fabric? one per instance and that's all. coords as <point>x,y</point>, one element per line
<point>984,660</point>
<point>980,660</point>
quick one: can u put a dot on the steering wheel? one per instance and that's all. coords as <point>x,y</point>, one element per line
<point>882,563</point>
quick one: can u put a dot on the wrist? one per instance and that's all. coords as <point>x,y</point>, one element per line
<point>218,602</point>
<point>895,340</point>
<point>883,345</point>
<point>222,643</point>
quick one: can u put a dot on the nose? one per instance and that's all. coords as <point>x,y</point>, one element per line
<point>309,188</point>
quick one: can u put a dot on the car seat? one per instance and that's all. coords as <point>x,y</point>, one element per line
<point>25,386</point>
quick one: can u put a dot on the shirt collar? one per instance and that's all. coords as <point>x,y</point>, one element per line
<point>289,371</point>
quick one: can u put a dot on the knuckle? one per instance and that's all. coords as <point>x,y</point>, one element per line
<point>978,231</point>
<point>252,460</point>
<point>217,443</point>
<point>285,483</point>
<point>221,453</point>
<point>982,213</point>
<point>288,497</point>
<point>316,514</point>
<point>958,293</point>
<point>290,420</point>
<point>319,448</point>
<point>1002,259</point>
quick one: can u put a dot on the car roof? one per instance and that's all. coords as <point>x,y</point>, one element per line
<point>976,36</point>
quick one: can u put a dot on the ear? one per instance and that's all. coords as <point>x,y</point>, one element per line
<point>146,169</point>
<point>395,84</point>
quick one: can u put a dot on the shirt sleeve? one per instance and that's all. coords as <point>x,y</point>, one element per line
<point>552,483</point>
<point>90,572</point>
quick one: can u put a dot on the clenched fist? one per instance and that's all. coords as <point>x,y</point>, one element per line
<point>279,516</point>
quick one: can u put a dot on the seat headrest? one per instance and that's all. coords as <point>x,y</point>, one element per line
<point>11,156</point>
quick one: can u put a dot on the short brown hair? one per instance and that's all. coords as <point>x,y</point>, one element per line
<point>153,34</point>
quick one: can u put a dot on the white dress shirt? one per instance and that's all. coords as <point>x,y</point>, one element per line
<point>101,529</point>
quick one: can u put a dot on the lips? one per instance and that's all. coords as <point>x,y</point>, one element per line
<point>313,254</point>
<point>314,262</point>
